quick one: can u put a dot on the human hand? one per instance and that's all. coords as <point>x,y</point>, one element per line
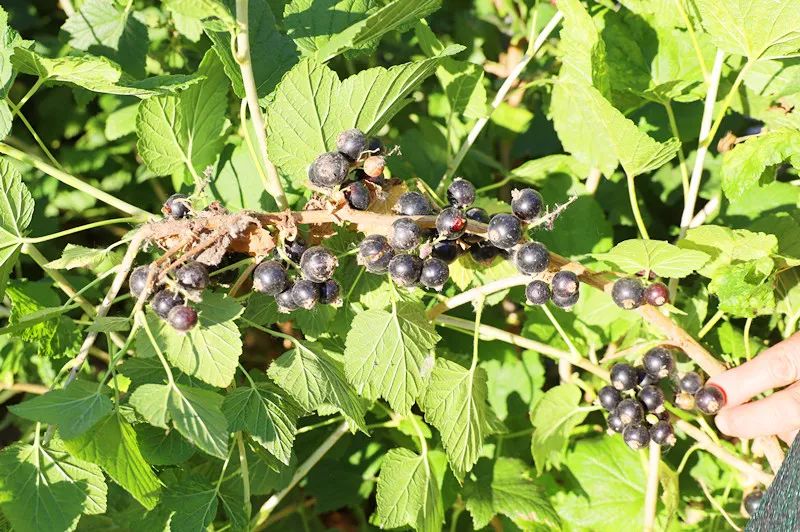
<point>777,414</point>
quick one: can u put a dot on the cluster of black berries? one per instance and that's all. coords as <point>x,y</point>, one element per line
<point>636,399</point>
<point>316,265</point>
<point>630,293</point>
<point>190,279</point>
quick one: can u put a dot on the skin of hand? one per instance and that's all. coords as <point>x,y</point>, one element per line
<point>777,414</point>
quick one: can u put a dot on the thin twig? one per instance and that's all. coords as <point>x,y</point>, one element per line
<point>25,387</point>
<point>717,506</point>
<point>651,493</point>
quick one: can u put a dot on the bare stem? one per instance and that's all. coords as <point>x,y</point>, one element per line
<point>637,215</point>
<point>651,493</point>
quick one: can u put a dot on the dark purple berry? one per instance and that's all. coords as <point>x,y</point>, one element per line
<point>565,283</point>
<point>405,269</point>
<point>358,196</point>
<point>484,253</point>
<point>351,143</point>
<point>461,193</point>
<point>532,258</point>
<point>565,302</point>
<point>615,423</point>
<point>305,294</point>
<point>446,250</point>
<point>658,362</point>
<point>138,280</point>
<point>690,382</point>
<point>164,301</point>
<point>177,206</point>
<point>628,293</point>
<point>193,275</point>
<point>752,501</point>
<point>435,273</point>
<point>413,204</point>
<point>374,165</point>
<point>623,377</point>
<point>609,397</point>
<point>318,264</point>
<point>285,300</point>
<point>270,277</point>
<point>294,249</point>
<point>375,146</point>
<point>329,292</point>
<point>329,170</point>
<point>451,223</point>
<point>404,234</point>
<point>537,292</point>
<point>526,204</point>
<point>630,411</point>
<point>504,231</point>
<point>652,398</point>
<point>182,318</point>
<point>644,378</point>
<point>663,434</point>
<point>656,294</point>
<point>636,436</point>
<point>374,253</point>
<point>709,399</point>
<point>479,215</point>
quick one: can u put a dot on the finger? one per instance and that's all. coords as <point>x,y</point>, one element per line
<point>789,437</point>
<point>777,414</point>
<point>776,367</point>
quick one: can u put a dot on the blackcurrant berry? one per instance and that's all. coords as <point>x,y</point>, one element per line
<point>163,302</point>
<point>374,253</point>
<point>504,231</point>
<point>413,204</point>
<point>351,143</point>
<point>285,300</point>
<point>652,398</point>
<point>628,293</point>
<point>270,277</point>
<point>374,165</point>
<point>752,501</point>
<point>690,382</point>
<point>451,223</point>
<point>483,253</point>
<point>294,249</point>
<point>526,204</point>
<point>446,250</point>
<point>684,401</point>
<point>636,436</point>
<point>435,273</point>
<point>182,318</point>
<point>615,424</point>
<point>329,292</point>
<point>630,411</point>
<point>532,258</point>
<point>328,170</point>
<point>479,215</point>
<point>623,377</point>
<point>318,264</point>
<point>177,206</point>
<point>305,294</point>
<point>565,283</point>
<point>663,434</point>
<point>644,378</point>
<point>358,196</point>
<point>658,362</point>
<point>565,302</point>
<point>709,399</point>
<point>375,146</point>
<point>404,234</point>
<point>405,269</point>
<point>461,193</point>
<point>138,280</point>
<point>656,294</point>
<point>609,397</point>
<point>537,292</point>
<point>192,275</point>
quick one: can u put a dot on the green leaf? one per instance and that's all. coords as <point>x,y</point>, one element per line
<point>16,210</point>
<point>186,129</point>
<point>583,52</point>
<point>267,414</point>
<point>367,100</point>
<point>210,351</point>
<point>75,256</point>
<point>745,289</point>
<point>197,415</point>
<point>389,354</point>
<point>111,444</point>
<point>236,182</point>
<point>455,402</point>
<point>152,403</point>
<point>194,505</point>
<point>163,447</point>
<point>110,324</point>
<point>313,24</point>
<point>315,377</point>
<point>662,258</point>
<point>724,246</point>
<point>536,171</point>
<point>74,409</point>
<point>54,337</point>
<point>202,9</point>
<point>408,493</point>
<point>755,161</point>
<point>553,418</point>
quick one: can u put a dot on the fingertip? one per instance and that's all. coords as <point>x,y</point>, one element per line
<point>724,423</point>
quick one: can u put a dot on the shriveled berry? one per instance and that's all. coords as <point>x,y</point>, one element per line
<point>435,273</point>
<point>709,399</point>
<point>565,302</point>
<point>658,362</point>
<point>329,292</point>
<point>138,280</point>
<point>609,397</point>
<point>623,377</point>
<point>504,231</point>
<point>628,293</point>
<point>684,401</point>
<point>630,411</point>
<point>193,275</point>
<point>461,193</point>
<point>690,382</point>
<point>270,277</point>
<point>305,293</point>
<point>329,170</point>
<point>404,234</point>
<point>177,206</point>
<point>752,501</point>
<point>164,301</point>
<point>413,204</point>
<point>663,434</point>
<point>537,292</point>
<point>565,283</point>
<point>351,143</point>
<point>294,249</point>
<point>532,258</point>
<point>357,196</point>
<point>451,223</point>
<point>526,204</point>
<point>318,264</point>
<point>285,300</point>
<point>652,398</point>
<point>636,436</point>
<point>374,165</point>
<point>182,318</point>
<point>656,294</point>
<point>484,253</point>
<point>446,250</point>
<point>374,253</point>
<point>405,269</point>
<point>615,423</point>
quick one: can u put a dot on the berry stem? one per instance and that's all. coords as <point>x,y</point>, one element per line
<point>651,493</point>
<point>101,223</point>
<point>637,215</point>
<point>245,468</point>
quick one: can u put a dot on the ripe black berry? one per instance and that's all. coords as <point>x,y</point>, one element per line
<point>628,293</point>
<point>652,398</point>
<point>451,223</point>
<point>684,401</point>
<point>270,277</point>
<point>532,258</point>
<point>662,434</point>
<point>526,204</point>
<point>294,249</point>
<point>405,269</point>
<point>565,302</point>
<point>163,302</point>
<point>446,250</point>
<point>192,275</point>
<point>182,318</point>
<point>565,283</point>
<point>690,382</point>
<point>374,165</point>
<point>413,204</point>
<point>752,501</point>
<point>479,215</point>
<point>484,253</point>
<point>329,292</point>
<point>404,234</point>
<point>305,294</point>
<point>623,377</point>
<point>636,436</point>
<point>630,411</point>
<point>351,143</point>
<point>328,170</point>
<point>374,253</point>
<point>461,193</point>
<point>615,424</point>
<point>656,294</point>
<point>658,362</point>
<point>537,292</point>
<point>504,231</point>
<point>317,264</point>
<point>609,397</point>
<point>357,195</point>
<point>435,273</point>
<point>644,378</point>
<point>285,300</point>
<point>177,206</point>
<point>709,399</point>
<point>375,146</point>
<point>138,280</point>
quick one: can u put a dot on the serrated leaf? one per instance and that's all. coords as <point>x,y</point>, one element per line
<point>197,415</point>
<point>745,289</point>
<point>163,447</point>
<point>73,409</point>
<point>536,171</point>
<point>236,182</point>
<point>202,9</point>
<point>111,444</point>
<point>194,505</point>
<point>313,24</point>
<point>662,258</point>
<point>455,402</point>
<point>408,493</point>
<point>152,403</point>
<point>54,337</point>
<point>724,246</point>
<point>16,210</point>
<point>553,418</point>
<point>75,256</point>
<point>388,354</point>
<point>755,161</point>
<point>109,324</point>
<point>210,351</point>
